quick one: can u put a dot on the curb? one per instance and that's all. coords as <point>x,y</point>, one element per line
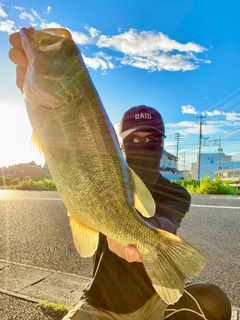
<point>35,284</point>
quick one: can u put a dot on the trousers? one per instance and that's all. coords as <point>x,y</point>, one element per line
<point>199,301</point>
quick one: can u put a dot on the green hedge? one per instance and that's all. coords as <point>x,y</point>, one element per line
<point>209,186</point>
<point>27,184</point>
<point>205,186</point>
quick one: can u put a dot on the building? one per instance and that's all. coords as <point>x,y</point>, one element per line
<point>23,170</point>
<point>210,163</point>
<point>168,166</point>
<point>231,174</point>
<point>193,170</point>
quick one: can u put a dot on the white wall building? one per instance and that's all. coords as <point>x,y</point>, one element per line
<point>168,166</point>
<point>193,170</point>
<point>211,163</point>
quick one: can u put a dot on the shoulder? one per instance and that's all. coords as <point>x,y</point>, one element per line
<point>164,182</point>
<point>170,189</point>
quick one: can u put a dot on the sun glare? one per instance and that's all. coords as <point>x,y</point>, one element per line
<point>15,135</point>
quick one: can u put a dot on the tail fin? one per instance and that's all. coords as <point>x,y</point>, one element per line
<point>174,262</point>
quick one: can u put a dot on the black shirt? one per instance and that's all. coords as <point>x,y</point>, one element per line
<point>123,287</point>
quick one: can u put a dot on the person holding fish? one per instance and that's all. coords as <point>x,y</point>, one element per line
<point>144,280</point>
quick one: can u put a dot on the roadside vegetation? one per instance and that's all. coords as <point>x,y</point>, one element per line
<point>205,186</point>
<point>27,184</point>
<point>56,311</point>
<point>209,186</point>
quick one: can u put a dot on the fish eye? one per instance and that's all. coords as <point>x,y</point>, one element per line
<point>72,52</point>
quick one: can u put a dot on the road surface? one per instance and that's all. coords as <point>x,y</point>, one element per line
<point>35,231</point>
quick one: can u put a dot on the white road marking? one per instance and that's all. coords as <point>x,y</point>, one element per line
<point>30,198</point>
<point>219,207</point>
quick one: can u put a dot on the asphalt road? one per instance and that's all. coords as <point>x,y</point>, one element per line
<point>34,230</point>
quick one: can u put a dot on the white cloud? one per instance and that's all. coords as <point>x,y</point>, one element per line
<point>192,127</point>
<point>188,109</point>
<point>145,43</point>
<point>153,51</point>
<point>3,14</point>
<point>18,8</point>
<point>159,63</point>
<point>35,14</point>
<point>45,25</point>
<point>231,116</point>
<point>79,37</point>
<point>93,32</point>
<point>146,50</point>
<point>48,10</point>
<point>7,26</point>
<point>24,15</point>
<point>184,127</point>
<point>98,63</point>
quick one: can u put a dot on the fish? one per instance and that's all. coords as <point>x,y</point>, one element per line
<point>101,192</point>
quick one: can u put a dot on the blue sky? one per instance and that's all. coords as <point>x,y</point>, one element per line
<point>180,57</point>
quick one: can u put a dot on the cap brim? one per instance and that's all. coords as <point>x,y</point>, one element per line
<point>126,133</point>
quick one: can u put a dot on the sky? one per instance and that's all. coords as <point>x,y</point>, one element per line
<point>180,57</point>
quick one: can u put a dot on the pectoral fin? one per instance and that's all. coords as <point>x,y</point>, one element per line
<point>36,142</point>
<point>143,200</point>
<point>85,238</point>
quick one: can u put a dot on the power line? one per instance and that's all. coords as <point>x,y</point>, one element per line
<point>223,99</point>
<point>229,132</point>
<point>230,103</point>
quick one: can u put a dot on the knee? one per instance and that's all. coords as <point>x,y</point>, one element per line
<point>213,301</point>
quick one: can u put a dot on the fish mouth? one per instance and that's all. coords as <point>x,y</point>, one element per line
<point>28,44</point>
<point>37,34</point>
<point>42,40</point>
<point>36,41</point>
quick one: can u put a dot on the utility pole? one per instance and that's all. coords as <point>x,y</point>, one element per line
<point>200,143</point>
<point>219,154</point>
<point>184,168</point>
<point>177,137</point>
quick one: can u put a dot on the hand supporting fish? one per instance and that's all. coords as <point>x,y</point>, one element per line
<point>102,194</point>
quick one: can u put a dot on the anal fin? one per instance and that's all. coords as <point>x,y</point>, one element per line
<point>143,200</point>
<point>85,238</point>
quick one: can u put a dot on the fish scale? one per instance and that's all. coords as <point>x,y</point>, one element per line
<point>101,193</point>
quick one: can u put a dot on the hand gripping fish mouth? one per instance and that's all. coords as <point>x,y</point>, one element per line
<point>102,194</point>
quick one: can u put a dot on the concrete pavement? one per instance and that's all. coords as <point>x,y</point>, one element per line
<point>39,284</point>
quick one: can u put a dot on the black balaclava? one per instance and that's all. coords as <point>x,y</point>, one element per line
<point>144,161</point>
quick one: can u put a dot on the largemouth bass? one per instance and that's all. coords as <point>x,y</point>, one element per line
<point>100,192</point>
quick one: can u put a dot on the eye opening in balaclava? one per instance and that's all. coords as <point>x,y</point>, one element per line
<point>144,160</point>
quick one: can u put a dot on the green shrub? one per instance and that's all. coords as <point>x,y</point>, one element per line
<point>209,186</point>
<point>205,186</point>
<point>56,311</point>
<point>7,181</point>
<point>49,184</point>
<point>27,184</point>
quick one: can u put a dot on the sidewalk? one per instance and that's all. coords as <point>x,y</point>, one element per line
<point>38,284</point>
